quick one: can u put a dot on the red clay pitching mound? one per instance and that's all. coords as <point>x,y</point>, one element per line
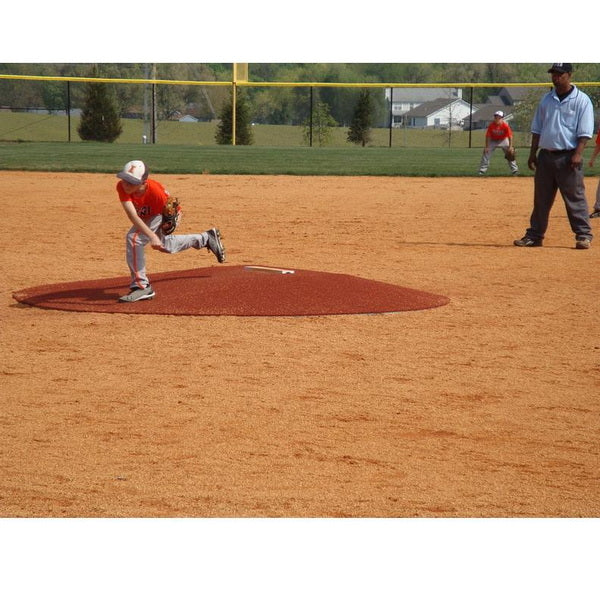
<point>236,291</point>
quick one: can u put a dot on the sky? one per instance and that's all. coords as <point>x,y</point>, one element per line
<point>268,31</point>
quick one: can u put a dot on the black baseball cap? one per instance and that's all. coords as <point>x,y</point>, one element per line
<point>561,68</point>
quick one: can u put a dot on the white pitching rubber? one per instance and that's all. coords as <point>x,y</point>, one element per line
<point>270,269</point>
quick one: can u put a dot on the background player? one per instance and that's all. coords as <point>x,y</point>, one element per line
<point>143,200</point>
<point>596,210</point>
<point>498,135</point>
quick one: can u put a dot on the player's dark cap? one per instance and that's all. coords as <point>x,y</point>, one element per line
<point>561,68</point>
<point>134,172</point>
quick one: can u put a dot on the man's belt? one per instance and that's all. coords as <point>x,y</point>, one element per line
<point>558,151</point>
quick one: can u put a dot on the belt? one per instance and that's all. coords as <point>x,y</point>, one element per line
<point>558,151</point>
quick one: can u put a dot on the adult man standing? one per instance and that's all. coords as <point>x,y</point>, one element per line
<point>562,125</point>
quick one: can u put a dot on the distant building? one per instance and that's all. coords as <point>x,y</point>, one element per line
<point>483,115</point>
<point>505,100</point>
<point>406,99</point>
<point>439,114</point>
<point>512,96</point>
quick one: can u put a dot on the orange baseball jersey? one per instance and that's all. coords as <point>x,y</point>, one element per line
<point>498,131</point>
<point>150,203</point>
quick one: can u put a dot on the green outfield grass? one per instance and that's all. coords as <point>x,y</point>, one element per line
<point>39,143</point>
<point>95,157</point>
<point>108,158</point>
<point>28,127</point>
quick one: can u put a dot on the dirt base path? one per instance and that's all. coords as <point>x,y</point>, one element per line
<point>487,406</point>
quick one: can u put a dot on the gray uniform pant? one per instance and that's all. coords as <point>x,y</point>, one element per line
<point>553,173</point>
<point>492,145</point>
<point>136,242</point>
<point>597,203</point>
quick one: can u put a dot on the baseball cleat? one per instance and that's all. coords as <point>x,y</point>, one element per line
<point>582,243</point>
<point>527,242</point>
<point>595,214</point>
<point>136,294</point>
<point>215,245</point>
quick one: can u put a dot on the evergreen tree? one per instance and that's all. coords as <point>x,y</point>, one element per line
<point>322,122</point>
<point>54,95</point>
<point>99,117</point>
<point>360,127</point>
<point>243,127</point>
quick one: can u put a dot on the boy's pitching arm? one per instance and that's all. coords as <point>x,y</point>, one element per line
<point>139,223</point>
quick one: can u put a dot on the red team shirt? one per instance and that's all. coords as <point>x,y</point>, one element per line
<point>150,203</point>
<point>499,131</point>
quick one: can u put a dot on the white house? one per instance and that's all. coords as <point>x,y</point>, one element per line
<point>440,114</point>
<point>405,99</point>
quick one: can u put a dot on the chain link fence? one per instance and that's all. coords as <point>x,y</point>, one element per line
<point>188,113</point>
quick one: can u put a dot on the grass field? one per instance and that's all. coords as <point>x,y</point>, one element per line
<point>108,158</point>
<point>101,158</point>
<point>40,143</point>
<point>30,127</point>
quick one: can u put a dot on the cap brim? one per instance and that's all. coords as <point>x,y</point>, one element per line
<point>129,178</point>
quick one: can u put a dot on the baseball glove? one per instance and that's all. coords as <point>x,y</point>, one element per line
<point>510,154</point>
<point>170,216</point>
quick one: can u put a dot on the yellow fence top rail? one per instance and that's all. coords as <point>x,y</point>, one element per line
<point>286,83</point>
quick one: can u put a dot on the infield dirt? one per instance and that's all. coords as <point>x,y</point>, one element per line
<point>488,406</point>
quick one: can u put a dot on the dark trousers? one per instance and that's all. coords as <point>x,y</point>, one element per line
<point>553,173</point>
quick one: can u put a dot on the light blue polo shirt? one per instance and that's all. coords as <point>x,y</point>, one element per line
<point>561,124</point>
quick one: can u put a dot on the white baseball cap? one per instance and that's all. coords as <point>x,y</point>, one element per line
<point>498,113</point>
<point>134,172</point>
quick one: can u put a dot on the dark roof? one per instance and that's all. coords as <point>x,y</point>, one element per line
<point>486,112</point>
<point>516,94</point>
<point>432,106</point>
<point>423,94</point>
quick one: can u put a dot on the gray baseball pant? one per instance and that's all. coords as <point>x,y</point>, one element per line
<point>553,173</point>
<point>597,203</point>
<point>492,145</point>
<point>136,242</point>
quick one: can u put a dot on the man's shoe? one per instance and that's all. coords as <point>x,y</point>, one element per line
<point>527,242</point>
<point>595,214</point>
<point>215,245</point>
<point>583,243</point>
<point>136,294</point>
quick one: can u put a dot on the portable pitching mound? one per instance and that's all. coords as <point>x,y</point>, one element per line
<point>241,290</point>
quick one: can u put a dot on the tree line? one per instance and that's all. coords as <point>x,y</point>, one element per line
<point>100,119</point>
<point>285,105</point>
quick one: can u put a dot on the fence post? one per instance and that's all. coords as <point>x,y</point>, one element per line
<point>233,112</point>
<point>240,73</point>
<point>153,118</point>
<point>470,116</point>
<point>310,129</point>
<point>391,113</point>
<point>69,111</point>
